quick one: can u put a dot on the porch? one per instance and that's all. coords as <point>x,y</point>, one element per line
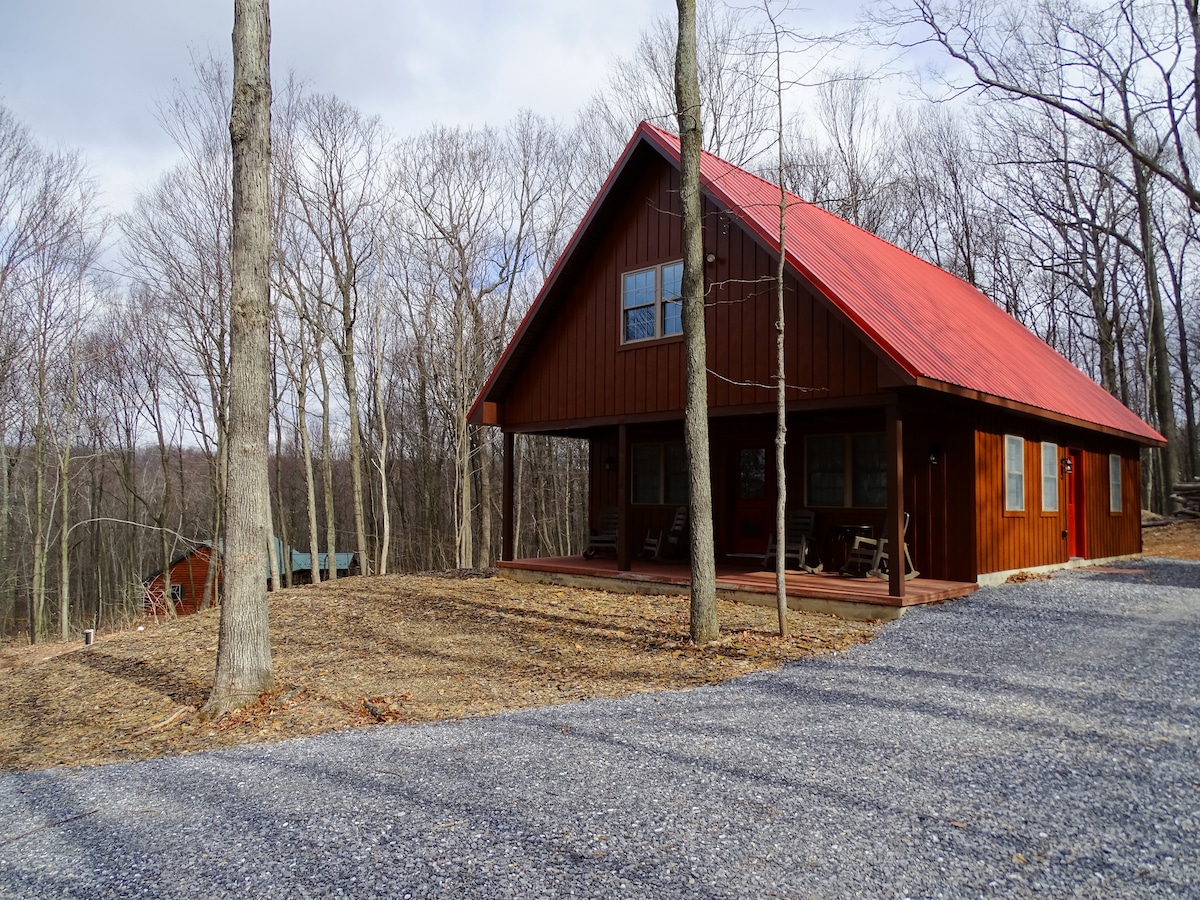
<point>744,582</point>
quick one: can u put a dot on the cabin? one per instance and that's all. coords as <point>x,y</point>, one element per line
<point>910,395</point>
<point>190,568</point>
<point>187,574</point>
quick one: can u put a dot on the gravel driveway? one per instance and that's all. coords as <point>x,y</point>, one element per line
<point>1031,740</point>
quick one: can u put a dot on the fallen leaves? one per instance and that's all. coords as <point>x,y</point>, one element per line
<point>391,649</point>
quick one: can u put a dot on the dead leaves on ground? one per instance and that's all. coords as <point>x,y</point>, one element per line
<point>392,649</point>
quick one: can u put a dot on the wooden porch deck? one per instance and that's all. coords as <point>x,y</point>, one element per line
<point>855,598</point>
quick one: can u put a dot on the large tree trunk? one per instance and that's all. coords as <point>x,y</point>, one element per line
<point>1160,359</point>
<point>349,368</point>
<point>244,669</point>
<point>704,625</point>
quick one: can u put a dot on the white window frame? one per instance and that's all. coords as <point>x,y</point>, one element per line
<point>1014,472</point>
<point>660,304</point>
<point>1114,483</point>
<point>1049,477</point>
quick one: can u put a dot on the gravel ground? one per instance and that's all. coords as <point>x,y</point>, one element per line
<point>1031,740</point>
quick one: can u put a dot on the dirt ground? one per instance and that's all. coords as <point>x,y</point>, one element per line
<point>1180,540</point>
<point>366,651</point>
<point>405,649</point>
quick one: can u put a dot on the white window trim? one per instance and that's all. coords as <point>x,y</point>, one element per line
<point>1114,483</point>
<point>659,303</point>
<point>1049,477</point>
<point>1014,451</point>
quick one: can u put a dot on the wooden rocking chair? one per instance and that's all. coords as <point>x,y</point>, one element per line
<point>798,533</point>
<point>670,544</point>
<point>869,555</point>
<point>604,536</point>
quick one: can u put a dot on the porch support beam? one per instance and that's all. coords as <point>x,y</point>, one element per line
<point>624,562</point>
<point>507,547</point>
<point>895,510</point>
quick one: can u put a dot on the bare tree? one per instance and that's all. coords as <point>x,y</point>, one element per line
<point>735,111</point>
<point>244,667</point>
<point>704,624</point>
<point>337,182</point>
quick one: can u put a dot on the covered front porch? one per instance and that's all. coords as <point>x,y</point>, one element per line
<point>741,581</point>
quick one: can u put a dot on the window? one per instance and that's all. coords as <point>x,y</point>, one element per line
<point>1049,477</point>
<point>826,456</point>
<point>1114,482</point>
<point>752,473</point>
<point>846,470</point>
<point>660,473</point>
<point>650,303</point>
<point>1014,473</point>
<point>870,470</point>
<point>177,593</point>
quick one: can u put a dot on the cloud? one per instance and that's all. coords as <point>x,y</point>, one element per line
<point>91,76</point>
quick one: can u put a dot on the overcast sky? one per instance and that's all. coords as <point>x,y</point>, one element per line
<point>88,75</point>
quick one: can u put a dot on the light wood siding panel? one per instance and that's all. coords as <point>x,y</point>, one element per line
<point>1006,541</point>
<point>578,369</point>
<point>1112,534</point>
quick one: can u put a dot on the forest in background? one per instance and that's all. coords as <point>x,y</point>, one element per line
<point>1046,156</point>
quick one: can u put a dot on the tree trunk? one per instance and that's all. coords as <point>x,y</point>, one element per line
<point>385,540</point>
<point>1160,368</point>
<point>37,593</point>
<point>309,482</point>
<point>326,478</point>
<point>244,669</point>
<point>704,625</point>
<point>356,482</point>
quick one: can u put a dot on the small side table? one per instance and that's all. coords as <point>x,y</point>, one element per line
<point>843,540</point>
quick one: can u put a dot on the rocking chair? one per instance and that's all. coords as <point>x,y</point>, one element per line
<point>868,557</point>
<point>604,536</point>
<point>798,533</point>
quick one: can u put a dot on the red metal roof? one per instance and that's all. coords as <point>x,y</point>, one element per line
<point>935,327</point>
<point>932,324</point>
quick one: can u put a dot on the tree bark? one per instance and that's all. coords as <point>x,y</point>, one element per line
<point>1158,351</point>
<point>704,625</point>
<point>244,668</point>
<point>326,478</point>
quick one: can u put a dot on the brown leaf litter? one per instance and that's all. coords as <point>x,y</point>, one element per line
<point>391,649</point>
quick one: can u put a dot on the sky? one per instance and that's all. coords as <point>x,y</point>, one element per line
<point>90,75</point>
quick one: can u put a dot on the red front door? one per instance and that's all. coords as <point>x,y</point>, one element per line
<point>1076,538</point>
<point>753,498</point>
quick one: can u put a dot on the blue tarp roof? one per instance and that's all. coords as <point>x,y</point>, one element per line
<point>302,562</point>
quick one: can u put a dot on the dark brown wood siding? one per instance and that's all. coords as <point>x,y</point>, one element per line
<point>581,370</point>
<point>939,493</point>
<point>1008,540</point>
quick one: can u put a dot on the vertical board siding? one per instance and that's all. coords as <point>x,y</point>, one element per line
<point>581,370</point>
<point>1007,541</point>
<point>190,572</point>
<point>939,495</point>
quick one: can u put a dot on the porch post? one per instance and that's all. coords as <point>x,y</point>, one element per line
<point>624,563</point>
<point>507,548</point>
<point>895,510</point>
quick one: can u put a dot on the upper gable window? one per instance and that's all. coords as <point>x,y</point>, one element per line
<point>650,303</point>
